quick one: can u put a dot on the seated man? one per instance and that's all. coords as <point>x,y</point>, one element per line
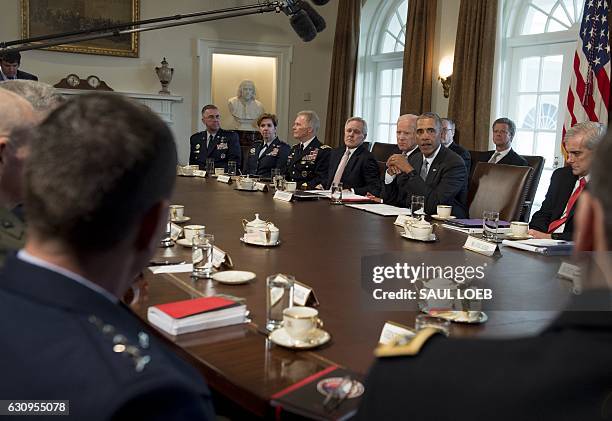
<point>214,142</point>
<point>435,173</point>
<point>555,219</point>
<point>308,160</point>
<point>503,133</point>
<point>9,67</point>
<point>448,135</point>
<point>68,330</point>
<point>561,373</point>
<point>269,153</point>
<point>352,164</point>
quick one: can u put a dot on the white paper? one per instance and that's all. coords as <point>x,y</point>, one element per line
<point>379,208</point>
<point>283,196</point>
<point>392,332</point>
<point>224,179</point>
<point>300,294</point>
<point>181,268</point>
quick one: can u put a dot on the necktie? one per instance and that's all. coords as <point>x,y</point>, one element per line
<point>570,204</point>
<point>264,148</point>
<point>424,169</point>
<point>493,159</point>
<point>301,148</point>
<point>341,167</point>
<point>210,141</point>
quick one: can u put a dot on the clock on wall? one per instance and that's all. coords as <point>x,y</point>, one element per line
<point>92,83</point>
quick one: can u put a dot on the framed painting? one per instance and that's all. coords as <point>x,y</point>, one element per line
<point>48,17</point>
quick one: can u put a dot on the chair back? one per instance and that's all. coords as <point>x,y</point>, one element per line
<point>477,156</point>
<point>382,151</point>
<point>537,163</point>
<point>498,187</point>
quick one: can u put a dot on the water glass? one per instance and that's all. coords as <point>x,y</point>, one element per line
<point>490,222</point>
<point>231,168</point>
<point>336,193</point>
<point>417,206</point>
<point>202,255</point>
<point>166,240</point>
<point>279,296</point>
<point>424,320</point>
<point>210,167</point>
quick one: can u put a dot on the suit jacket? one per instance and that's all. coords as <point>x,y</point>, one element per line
<point>60,344</point>
<point>20,75</point>
<point>532,378</point>
<point>511,158</point>
<point>275,157</point>
<point>559,191</point>
<point>463,153</point>
<point>224,147</point>
<point>360,173</point>
<point>445,184</point>
<point>308,168</point>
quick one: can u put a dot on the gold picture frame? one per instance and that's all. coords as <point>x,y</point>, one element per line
<point>47,17</point>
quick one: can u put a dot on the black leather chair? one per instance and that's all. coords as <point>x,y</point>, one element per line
<point>498,187</point>
<point>477,156</point>
<point>382,151</point>
<point>537,163</point>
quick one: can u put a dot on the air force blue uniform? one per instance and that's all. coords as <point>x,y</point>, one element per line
<point>274,156</point>
<point>224,147</point>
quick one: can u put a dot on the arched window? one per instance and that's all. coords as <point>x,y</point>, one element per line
<point>538,49</point>
<point>379,79</point>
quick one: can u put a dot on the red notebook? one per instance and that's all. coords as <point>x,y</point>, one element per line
<point>185,308</point>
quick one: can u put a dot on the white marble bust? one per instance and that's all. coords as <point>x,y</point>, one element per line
<point>244,107</point>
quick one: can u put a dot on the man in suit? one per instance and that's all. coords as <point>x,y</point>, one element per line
<point>435,173</point>
<point>214,143</point>
<point>555,219</point>
<point>308,161</point>
<point>271,152</point>
<point>69,336</point>
<point>352,164</point>
<point>503,133</point>
<point>562,373</point>
<point>9,67</point>
<point>448,140</point>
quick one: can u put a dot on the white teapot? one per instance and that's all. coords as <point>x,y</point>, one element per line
<point>257,228</point>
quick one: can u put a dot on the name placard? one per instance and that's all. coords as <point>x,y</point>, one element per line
<point>224,179</point>
<point>283,196</point>
<point>480,246</point>
<point>199,173</point>
<point>175,231</point>
<point>261,186</point>
<point>303,295</point>
<point>395,333</point>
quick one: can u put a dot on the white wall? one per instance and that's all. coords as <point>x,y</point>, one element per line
<point>309,71</point>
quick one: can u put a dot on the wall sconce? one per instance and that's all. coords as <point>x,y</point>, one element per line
<point>446,71</point>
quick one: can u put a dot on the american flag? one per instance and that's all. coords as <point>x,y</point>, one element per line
<point>588,97</point>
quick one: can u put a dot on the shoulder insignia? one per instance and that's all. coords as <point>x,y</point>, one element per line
<point>402,348</point>
<point>122,346</point>
<point>197,146</point>
<point>325,147</point>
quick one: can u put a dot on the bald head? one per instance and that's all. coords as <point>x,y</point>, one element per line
<point>406,132</point>
<point>43,97</point>
<point>16,112</point>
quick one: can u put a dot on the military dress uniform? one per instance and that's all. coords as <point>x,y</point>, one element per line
<point>225,146</point>
<point>66,341</point>
<point>12,233</point>
<point>308,167</point>
<point>274,156</point>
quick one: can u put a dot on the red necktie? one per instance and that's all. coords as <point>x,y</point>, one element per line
<point>570,204</point>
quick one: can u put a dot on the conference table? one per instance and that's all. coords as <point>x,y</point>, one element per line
<point>322,246</point>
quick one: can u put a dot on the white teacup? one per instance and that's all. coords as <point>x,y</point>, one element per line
<point>190,231</point>
<point>246,183</point>
<point>177,211</point>
<point>519,229</point>
<point>421,230</point>
<point>290,186</point>
<point>300,322</point>
<point>444,211</point>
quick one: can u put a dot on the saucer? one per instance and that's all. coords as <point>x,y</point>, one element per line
<point>432,238</point>
<point>184,242</point>
<point>441,218</point>
<point>459,316</point>
<point>233,277</point>
<point>260,244</point>
<point>282,338</point>
<point>510,236</point>
<point>241,189</point>
<point>181,220</point>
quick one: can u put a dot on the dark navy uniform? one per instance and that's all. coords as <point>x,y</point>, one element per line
<point>308,167</point>
<point>275,156</point>
<point>62,340</point>
<point>12,232</point>
<point>224,147</point>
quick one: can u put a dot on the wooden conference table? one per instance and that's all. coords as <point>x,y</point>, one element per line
<point>322,246</point>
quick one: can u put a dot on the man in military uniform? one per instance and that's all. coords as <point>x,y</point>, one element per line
<point>271,152</point>
<point>561,373</point>
<point>16,113</point>
<point>69,337</point>
<point>308,160</point>
<point>214,143</point>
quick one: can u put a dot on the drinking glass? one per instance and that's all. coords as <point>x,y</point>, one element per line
<point>417,206</point>
<point>202,255</point>
<point>210,167</point>
<point>424,320</point>
<point>279,182</point>
<point>279,296</point>
<point>490,222</point>
<point>231,168</point>
<point>336,193</point>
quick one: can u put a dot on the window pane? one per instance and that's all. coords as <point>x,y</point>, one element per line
<point>388,44</point>
<point>545,5</point>
<point>549,108</point>
<point>545,145</point>
<point>394,26</point>
<point>535,22</point>
<point>571,9</point>
<point>530,72</point>
<point>397,81</point>
<point>552,67</point>
<point>526,111</point>
<point>402,10</point>
<point>561,16</point>
<point>382,133</point>
<point>385,78</point>
<point>383,107</point>
<point>395,108</point>
<point>523,142</point>
<point>555,26</point>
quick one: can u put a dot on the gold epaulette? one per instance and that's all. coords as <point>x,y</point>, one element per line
<point>411,348</point>
<point>325,147</point>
